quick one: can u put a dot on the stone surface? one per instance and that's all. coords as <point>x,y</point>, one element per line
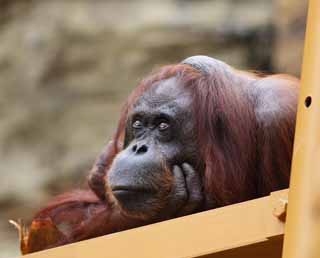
<point>66,67</point>
<point>290,20</point>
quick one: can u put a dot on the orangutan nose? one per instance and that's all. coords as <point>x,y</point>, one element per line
<point>139,149</point>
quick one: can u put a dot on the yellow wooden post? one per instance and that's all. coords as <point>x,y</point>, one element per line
<point>302,233</point>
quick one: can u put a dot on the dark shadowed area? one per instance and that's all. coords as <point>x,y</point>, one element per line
<point>67,66</point>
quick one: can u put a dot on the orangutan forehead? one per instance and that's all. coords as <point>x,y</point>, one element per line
<point>169,87</point>
<point>167,95</point>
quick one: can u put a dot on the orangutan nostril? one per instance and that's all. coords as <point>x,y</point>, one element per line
<point>142,149</point>
<point>139,150</point>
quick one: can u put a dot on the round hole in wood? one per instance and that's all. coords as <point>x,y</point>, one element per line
<point>308,101</point>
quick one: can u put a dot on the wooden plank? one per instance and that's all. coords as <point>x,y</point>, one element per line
<point>246,228</point>
<point>303,225</point>
<point>271,248</point>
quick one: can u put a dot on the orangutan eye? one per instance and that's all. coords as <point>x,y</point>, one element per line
<point>137,124</point>
<point>163,126</point>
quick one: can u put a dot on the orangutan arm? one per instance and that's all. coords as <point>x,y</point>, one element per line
<point>98,171</point>
<point>73,217</point>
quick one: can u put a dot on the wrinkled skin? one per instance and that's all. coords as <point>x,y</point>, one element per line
<point>157,176</point>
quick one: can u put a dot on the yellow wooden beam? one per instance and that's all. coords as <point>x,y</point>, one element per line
<point>246,230</point>
<point>302,235</point>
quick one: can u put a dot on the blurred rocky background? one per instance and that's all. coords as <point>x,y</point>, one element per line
<point>66,67</point>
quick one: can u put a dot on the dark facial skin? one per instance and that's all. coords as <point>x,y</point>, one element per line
<point>156,175</point>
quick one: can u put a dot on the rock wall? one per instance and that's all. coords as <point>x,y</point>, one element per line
<point>66,67</point>
<point>290,23</point>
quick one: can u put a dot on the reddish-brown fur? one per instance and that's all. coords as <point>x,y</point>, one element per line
<point>250,159</point>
